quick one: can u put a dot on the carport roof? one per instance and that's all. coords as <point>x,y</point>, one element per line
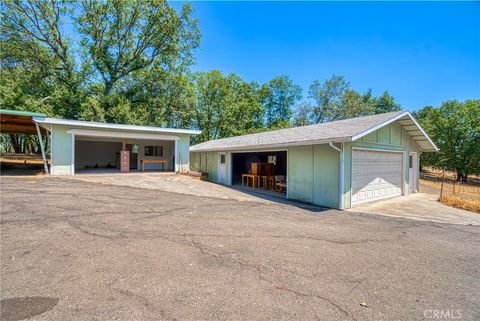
<point>18,121</point>
<point>347,130</point>
<point>117,127</point>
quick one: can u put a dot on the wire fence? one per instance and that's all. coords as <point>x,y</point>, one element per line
<point>460,194</point>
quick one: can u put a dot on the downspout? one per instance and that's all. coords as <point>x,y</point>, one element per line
<point>42,148</point>
<point>341,199</point>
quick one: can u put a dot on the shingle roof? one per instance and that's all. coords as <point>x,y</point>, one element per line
<point>336,131</point>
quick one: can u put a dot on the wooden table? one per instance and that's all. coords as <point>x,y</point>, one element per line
<point>268,181</point>
<point>254,178</point>
<point>156,161</point>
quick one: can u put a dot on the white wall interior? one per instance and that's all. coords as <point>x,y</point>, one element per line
<point>101,151</point>
<point>168,154</point>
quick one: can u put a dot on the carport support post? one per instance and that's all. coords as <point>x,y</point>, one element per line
<point>45,165</point>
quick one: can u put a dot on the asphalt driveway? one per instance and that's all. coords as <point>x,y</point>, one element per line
<point>75,250</point>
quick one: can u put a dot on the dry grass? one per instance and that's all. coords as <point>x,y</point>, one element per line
<point>456,194</point>
<point>461,202</point>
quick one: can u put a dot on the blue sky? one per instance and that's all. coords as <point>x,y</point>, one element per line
<point>422,53</point>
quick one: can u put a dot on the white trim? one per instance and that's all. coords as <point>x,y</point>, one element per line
<point>252,151</point>
<point>341,179</point>
<point>379,149</point>
<point>176,166</point>
<point>111,134</point>
<point>286,172</point>
<point>371,130</point>
<point>385,123</point>
<point>51,149</point>
<point>404,160</point>
<point>219,163</point>
<point>80,123</point>
<point>72,155</point>
<point>270,147</point>
<point>257,151</point>
<point>424,133</point>
<point>415,169</point>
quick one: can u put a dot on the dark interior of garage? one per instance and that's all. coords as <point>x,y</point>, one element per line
<point>102,155</point>
<point>241,163</point>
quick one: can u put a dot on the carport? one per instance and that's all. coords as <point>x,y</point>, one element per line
<point>102,152</point>
<point>82,146</point>
<point>21,122</point>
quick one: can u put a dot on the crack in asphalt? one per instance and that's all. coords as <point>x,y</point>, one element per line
<point>304,237</point>
<point>269,274</point>
<point>260,272</point>
<point>313,295</point>
<point>139,298</point>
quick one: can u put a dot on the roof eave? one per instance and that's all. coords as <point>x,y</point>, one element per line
<point>394,119</point>
<point>22,113</point>
<point>271,146</point>
<point>133,128</point>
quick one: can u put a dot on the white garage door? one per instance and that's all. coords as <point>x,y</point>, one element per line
<point>375,175</point>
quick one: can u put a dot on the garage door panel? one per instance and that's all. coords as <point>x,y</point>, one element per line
<point>375,175</point>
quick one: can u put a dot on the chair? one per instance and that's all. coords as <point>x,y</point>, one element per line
<point>280,183</point>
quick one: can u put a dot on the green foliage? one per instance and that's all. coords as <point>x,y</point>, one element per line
<point>385,104</point>
<point>127,47</point>
<point>355,104</point>
<point>125,36</point>
<point>302,114</point>
<point>335,100</point>
<point>455,128</point>
<point>92,110</point>
<point>132,66</point>
<point>226,105</point>
<point>279,97</point>
<point>328,98</point>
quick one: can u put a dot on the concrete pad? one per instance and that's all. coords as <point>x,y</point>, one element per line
<point>170,182</point>
<point>421,207</point>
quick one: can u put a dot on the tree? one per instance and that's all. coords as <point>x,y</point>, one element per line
<point>34,47</point>
<point>385,103</point>
<point>455,128</point>
<point>328,98</point>
<point>33,29</point>
<point>280,96</point>
<point>354,104</point>
<point>125,36</point>
<point>226,105</point>
<point>303,114</point>
<point>335,100</point>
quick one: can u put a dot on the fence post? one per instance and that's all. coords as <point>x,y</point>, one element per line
<point>441,188</point>
<point>454,183</point>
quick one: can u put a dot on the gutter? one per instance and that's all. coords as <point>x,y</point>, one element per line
<point>261,147</point>
<point>341,196</point>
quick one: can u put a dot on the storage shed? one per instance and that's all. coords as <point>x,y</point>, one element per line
<point>339,164</point>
